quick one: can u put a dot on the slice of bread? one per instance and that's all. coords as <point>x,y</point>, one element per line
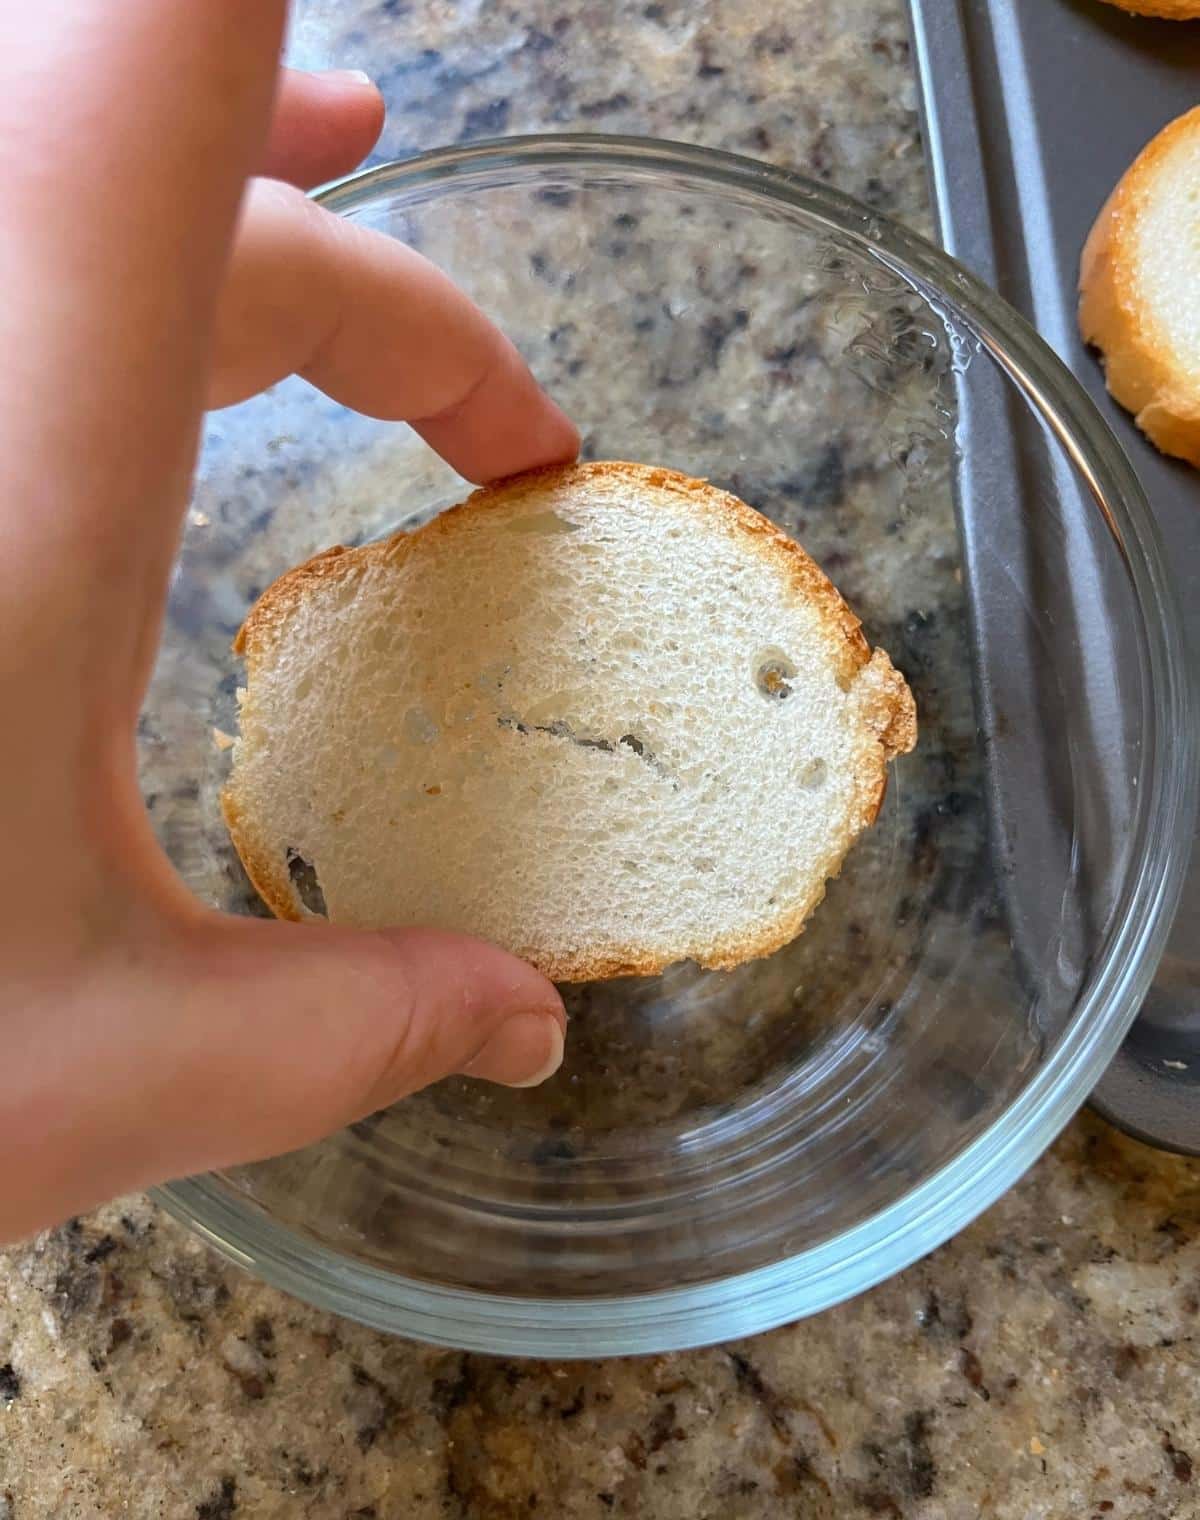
<point>604,715</point>
<point>1169,10</point>
<point>1139,286</point>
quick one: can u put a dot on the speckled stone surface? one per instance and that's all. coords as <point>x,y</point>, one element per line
<point>1042,1364</point>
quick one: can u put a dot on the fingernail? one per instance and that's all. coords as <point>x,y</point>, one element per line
<point>346,76</point>
<point>525,1050</point>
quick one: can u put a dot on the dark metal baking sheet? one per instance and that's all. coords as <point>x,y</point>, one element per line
<point>1033,109</point>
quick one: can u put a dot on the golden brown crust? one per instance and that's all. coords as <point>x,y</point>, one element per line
<point>1139,365</point>
<point>1169,10</point>
<point>888,706</point>
<point>723,955</point>
<point>260,865</point>
<point>271,611</point>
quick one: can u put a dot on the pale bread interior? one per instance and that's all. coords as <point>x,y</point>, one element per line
<point>606,716</point>
<point>1166,251</point>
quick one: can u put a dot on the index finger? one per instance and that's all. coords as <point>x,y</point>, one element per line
<point>380,329</point>
<point>324,125</point>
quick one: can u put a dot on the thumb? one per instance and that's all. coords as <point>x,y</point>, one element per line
<point>203,1041</point>
<point>284,1032</point>
<point>200,1041</point>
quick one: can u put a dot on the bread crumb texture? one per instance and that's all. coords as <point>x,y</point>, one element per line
<point>1140,289</point>
<point>605,715</point>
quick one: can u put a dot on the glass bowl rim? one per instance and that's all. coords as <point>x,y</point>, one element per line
<point>925,1216</point>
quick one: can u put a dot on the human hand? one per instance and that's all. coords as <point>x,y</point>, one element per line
<point>143,1036</point>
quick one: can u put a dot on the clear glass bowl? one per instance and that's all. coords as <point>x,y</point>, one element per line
<point>724,1152</point>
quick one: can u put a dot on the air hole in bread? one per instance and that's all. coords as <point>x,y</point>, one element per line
<point>774,673</point>
<point>813,774</point>
<point>705,864</point>
<point>558,728</point>
<point>307,884</point>
<point>303,687</point>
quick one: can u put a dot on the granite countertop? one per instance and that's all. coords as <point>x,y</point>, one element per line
<point>1043,1363</point>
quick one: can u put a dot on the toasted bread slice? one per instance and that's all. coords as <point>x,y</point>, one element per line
<point>1139,288</point>
<point>1169,10</point>
<point>604,715</point>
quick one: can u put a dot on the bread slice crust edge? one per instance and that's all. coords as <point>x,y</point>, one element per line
<point>1164,10</point>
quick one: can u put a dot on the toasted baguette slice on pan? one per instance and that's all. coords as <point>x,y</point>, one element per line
<point>1140,289</point>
